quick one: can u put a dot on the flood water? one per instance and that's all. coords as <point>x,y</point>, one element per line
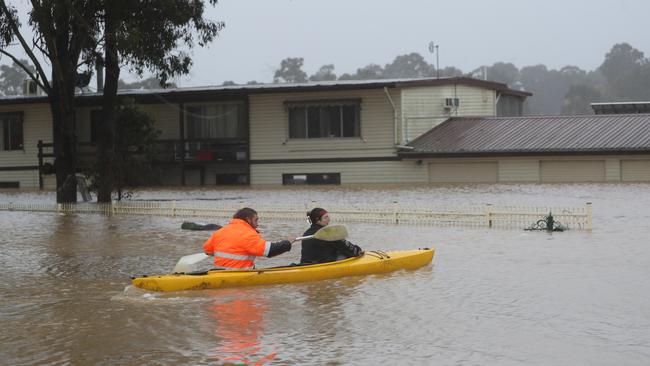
<point>490,297</point>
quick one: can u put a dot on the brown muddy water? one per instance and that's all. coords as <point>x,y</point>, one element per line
<point>491,296</point>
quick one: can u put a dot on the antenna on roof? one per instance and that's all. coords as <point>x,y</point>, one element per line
<point>433,48</point>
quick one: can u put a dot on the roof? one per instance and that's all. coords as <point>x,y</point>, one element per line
<point>593,134</point>
<point>192,93</point>
<point>621,107</point>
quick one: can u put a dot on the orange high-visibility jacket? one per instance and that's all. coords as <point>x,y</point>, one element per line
<point>236,245</point>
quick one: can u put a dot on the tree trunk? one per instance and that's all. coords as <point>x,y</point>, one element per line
<point>106,148</point>
<point>62,105</point>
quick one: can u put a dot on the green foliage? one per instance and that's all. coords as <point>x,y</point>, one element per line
<point>12,77</point>
<point>578,99</point>
<point>290,71</point>
<point>627,73</point>
<point>157,35</point>
<point>500,72</point>
<point>149,83</point>
<point>326,72</point>
<point>135,150</point>
<point>412,65</point>
<point>369,72</point>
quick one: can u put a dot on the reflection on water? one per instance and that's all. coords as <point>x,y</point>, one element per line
<point>239,325</point>
<point>504,297</point>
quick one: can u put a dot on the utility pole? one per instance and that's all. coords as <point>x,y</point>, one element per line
<point>433,48</point>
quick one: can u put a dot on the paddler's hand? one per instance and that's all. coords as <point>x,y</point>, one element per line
<point>291,239</point>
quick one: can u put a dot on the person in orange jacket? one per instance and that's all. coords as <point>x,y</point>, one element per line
<point>236,245</point>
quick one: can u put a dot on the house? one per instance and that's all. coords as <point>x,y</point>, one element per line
<point>330,132</point>
<point>590,148</point>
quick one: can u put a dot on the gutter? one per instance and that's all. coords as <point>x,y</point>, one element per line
<point>394,113</point>
<point>518,153</point>
<point>496,104</point>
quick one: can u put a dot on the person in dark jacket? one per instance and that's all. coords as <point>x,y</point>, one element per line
<point>321,251</point>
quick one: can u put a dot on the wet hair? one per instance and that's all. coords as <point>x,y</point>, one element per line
<point>244,213</point>
<point>314,215</point>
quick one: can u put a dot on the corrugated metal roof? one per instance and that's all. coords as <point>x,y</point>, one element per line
<point>189,92</point>
<point>527,135</point>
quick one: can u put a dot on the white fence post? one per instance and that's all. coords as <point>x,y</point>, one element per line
<point>488,215</point>
<point>589,219</point>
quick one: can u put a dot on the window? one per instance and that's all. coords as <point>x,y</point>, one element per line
<point>12,131</point>
<point>311,178</point>
<point>210,121</point>
<point>324,119</point>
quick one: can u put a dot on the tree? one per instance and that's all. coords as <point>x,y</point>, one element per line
<point>370,72</point>
<point>627,72</point>
<point>326,72</point>
<point>412,65</point>
<point>290,71</point>
<point>500,72</point>
<point>12,77</point>
<point>228,83</point>
<point>451,71</point>
<point>579,98</point>
<point>135,148</point>
<point>62,31</point>
<point>149,83</point>
<point>143,36</point>
<point>347,76</point>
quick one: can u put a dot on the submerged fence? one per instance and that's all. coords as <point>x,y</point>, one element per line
<point>498,216</point>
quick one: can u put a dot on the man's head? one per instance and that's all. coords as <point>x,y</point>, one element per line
<point>247,214</point>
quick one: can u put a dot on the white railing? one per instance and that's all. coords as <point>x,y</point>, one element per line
<point>499,216</point>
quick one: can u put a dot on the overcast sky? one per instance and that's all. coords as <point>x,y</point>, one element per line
<point>470,33</point>
<point>353,33</point>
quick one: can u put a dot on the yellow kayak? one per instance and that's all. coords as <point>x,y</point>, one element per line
<point>370,263</point>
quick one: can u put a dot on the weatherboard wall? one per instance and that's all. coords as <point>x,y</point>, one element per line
<point>424,107</point>
<point>539,169</point>
<point>375,172</point>
<point>269,128</point>
<point>37,125</point>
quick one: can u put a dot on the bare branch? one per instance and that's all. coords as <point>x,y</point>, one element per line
<point>25,68</point>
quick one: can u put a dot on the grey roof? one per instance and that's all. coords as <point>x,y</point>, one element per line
<point>606,134</point>
<point>221,90</point>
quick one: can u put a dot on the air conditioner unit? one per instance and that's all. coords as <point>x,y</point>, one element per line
<point>30,87</point>
<point>451,102</point>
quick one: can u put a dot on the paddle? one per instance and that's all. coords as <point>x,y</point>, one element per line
<point>328,233</point>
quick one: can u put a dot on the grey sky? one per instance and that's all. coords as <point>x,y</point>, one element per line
<point>353,33</point>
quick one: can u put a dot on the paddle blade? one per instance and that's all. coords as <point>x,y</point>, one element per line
<point>186,263</point>
<point>332,233</point>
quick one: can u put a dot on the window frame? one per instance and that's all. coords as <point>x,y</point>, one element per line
<point>7,118</point>
<point>323,109</point>
<point>241,128</point>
